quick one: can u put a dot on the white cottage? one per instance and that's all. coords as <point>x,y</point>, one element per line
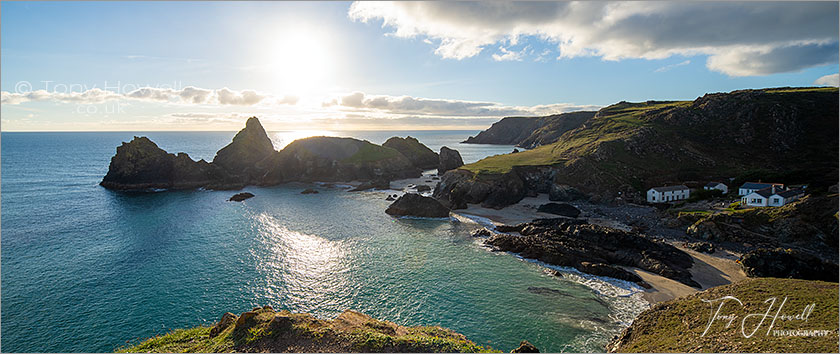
<point>716,185</point>
<point>667,194</point>
<point>772,196</point>
<point>750,187</point>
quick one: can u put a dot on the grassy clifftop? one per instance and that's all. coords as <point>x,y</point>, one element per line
<point>630,146</point>
<point>264,330</point>
<point>681,325</point>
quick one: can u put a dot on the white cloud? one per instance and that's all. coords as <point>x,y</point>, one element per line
<point>828,80</point>
<point>418,106</point>
<point>669,67</point>
<point>787,36</point>
<point>509,55</point>
<point>187,95</point>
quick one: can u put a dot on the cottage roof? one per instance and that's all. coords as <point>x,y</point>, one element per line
<point>670,188</point>
<point>759,185</point>
<point>713,184</point>
<point>766,192</point>
<point>790,193</point>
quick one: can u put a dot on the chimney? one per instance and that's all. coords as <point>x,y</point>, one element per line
<point>774,189</point>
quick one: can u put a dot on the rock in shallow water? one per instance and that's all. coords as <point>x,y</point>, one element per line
<point>412,204</point>
<point>309,191</point>
<point>240,197</point>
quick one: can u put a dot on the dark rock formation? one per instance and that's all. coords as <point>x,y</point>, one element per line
<point>250,160</point>
<point>238,197</point>
<point>482,232</point>
<point>561,209</point>
<point>250,146</point>
<point>788,263</point>
<point>450,159</point>
<point>571,242</point>
<point>419,155</point>
<point>458,187</point>
<point>704,247</point>
<point>390,198</point>
<point>525,347</point>
<point>309,191</point>
<point>564,193</point>
<point>606,270</point>
<point>423,188</point>
<point>141,164</point>
<point>411,204</point>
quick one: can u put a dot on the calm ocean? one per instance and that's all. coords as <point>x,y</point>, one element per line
<point>88,269</point>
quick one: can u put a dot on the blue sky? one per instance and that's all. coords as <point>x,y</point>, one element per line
<point>342,65</point>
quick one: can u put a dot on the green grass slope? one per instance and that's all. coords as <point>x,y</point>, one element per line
<point>637,145</point>
<point>679,325</point>
<point>264,330</point>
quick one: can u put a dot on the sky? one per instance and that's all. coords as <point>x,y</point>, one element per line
<point>178,66</point>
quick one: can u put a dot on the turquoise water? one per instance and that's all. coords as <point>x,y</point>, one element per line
<point>87,269</point>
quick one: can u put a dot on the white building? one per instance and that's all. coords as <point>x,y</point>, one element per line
<point>750,187</point>
<point>716,185</point>
<point>772,196</point>
<point>667,194</point>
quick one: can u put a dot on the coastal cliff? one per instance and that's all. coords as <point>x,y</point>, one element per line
<point>530,132</point>
<point>789,133</point>
<point>250,159</point>
<point>265,330</point>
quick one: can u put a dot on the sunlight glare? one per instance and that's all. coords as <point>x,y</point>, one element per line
<point>300,59</point>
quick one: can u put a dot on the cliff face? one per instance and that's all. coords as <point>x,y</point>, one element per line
<point>530,132</point>
<point>250,159</point>
<point>679,325</point>
<point>265,330</point>
<point>789,133</point>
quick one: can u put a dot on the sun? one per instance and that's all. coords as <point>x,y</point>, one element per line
<point>300,59</point>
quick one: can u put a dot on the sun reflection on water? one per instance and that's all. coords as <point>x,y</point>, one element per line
<point>305,272</point>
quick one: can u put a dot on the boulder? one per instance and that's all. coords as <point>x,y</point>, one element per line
<point>238,197</point>
<point>525,347</point>
<point>412,204</point>
<point>704,247</point>
<point>450,159</point>
<point>249,146</point>
<point>226,321</point>
<point>561,209</point>
<point>309,191</point>
<point>423,188</point>
<point>419,155</point>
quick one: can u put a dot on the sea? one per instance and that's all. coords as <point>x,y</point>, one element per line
<point>86,269</point>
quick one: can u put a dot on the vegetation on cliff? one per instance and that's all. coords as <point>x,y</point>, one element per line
<point>264,330</point>
<point>529,132</point>
<point>679,325</point>
<point>628,147</point>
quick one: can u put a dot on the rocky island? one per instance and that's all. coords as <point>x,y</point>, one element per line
<point>250,159</point>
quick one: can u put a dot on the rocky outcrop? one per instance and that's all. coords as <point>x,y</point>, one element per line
<point>141,164</point>
<point>594,248</point>
<point>379,183</point>
<point>457,188</point>
<point>450,159</point>
<point>561,209</point>
<point>412,204</point>
<point>265,330</point>
<point>238,197</point>
<point>525,347</point>
<point>309,191</point>
<point>420,155</point>
<point>788,263</point>
<point>249,146</point>
<point>251,160</point>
